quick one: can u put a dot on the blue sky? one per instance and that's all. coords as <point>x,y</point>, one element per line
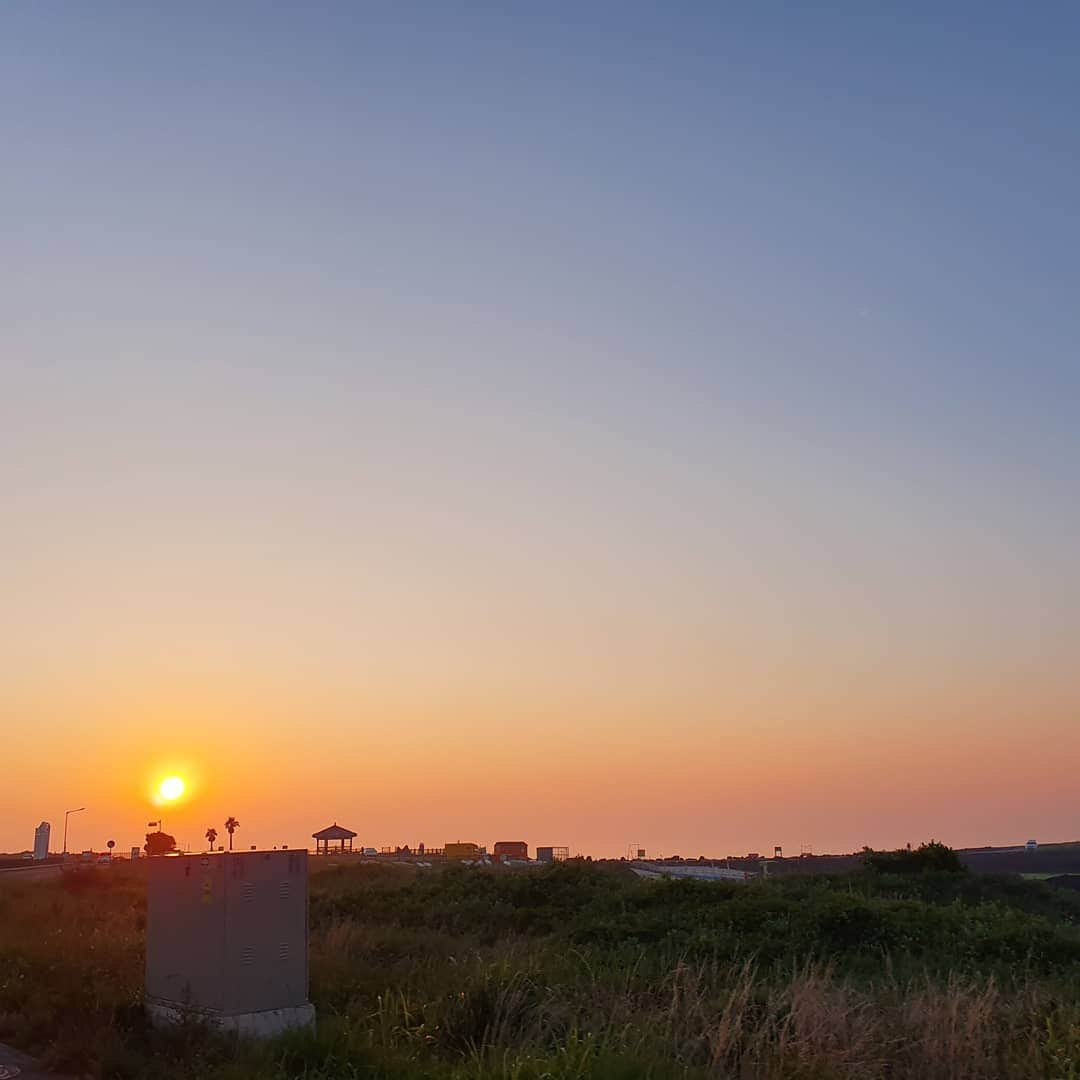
<point>739,337</point>
<point>886,200</point>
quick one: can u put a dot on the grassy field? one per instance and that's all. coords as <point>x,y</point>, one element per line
<point>584,971</point>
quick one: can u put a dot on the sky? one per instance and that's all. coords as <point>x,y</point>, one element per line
<point>595,425</point>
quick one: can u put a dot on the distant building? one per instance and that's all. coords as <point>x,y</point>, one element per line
<point>552,854</point>
<point>511,849</point>
<point>41,840</point>
<point>462,851</point>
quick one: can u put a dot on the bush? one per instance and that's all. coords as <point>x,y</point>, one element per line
<point>926,858</point>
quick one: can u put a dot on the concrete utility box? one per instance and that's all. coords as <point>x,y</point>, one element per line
<point>227,939</point>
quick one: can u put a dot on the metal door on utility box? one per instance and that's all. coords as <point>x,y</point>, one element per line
<point>185,930</point>
<point>266,931</point>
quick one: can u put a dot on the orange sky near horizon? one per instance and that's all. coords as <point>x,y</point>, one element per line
<point>672,779</point>
<point>579,682</point>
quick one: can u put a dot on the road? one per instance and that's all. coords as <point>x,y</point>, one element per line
<point>30,873</point>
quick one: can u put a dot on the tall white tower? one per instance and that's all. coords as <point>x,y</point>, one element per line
<point>41,840</point>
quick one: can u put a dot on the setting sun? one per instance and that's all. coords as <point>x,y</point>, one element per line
<point>171,788</point>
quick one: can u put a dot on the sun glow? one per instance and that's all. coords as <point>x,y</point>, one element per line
<point>171,788</point>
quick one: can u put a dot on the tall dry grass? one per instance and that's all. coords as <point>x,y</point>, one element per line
<point>708,1020</point>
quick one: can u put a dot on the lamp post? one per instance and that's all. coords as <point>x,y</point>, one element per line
<point>77,810</point>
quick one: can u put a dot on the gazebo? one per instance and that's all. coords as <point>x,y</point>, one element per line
<point>323,837</point>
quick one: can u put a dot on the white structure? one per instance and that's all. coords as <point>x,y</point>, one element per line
<point>41,840</point>
<point>227,940</point>
<point>701,873</point>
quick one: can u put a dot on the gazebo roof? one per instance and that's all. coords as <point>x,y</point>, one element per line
<point>333,832</point>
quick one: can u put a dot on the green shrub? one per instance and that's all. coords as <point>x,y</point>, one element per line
<point>926,858</point>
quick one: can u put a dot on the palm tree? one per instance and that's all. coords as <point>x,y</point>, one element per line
<point>211,836</point>
<point>231,825</point>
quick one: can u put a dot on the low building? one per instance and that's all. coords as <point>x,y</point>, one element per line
<point>463,851</point>
<point>552,854</point>
<point>511,849</point>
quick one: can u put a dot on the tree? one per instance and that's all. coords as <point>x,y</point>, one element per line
<point>159,843</point>
<point>231,825</point>
<point>211,836</point>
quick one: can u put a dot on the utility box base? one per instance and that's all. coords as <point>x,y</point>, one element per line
<point>262,1024</point>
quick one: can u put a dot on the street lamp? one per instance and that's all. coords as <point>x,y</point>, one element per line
<point>77,810</point>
